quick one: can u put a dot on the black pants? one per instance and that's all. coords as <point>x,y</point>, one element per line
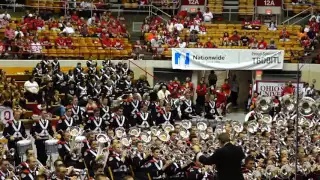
<point>41,151</point>
<point>200,104</point>
<point>13,145</point>
<point>234,98</point>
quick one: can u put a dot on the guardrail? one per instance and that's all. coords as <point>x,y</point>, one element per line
<point>311,9</point>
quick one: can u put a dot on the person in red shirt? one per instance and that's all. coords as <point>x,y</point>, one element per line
<point>209,44</point>
<point>68,41</point>
<point>60,43</point>
<point>74,17</point>
<point>106,42</point>
<point>188,86</point>
<point>288,89</point>
<point>221,98</point>
<point>253,101</point>
<point>182,14</point>
<point>45,42</point>
<point>235,39</point>
<point>226,88</point>
<point>53,24</point>
<point>39,23</point>
<point>175,87</point>
<point>262,44</point>
<point>201,94</point>
<point>117,44</point>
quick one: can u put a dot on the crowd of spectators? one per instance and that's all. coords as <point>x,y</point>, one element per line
<point>26,38</point>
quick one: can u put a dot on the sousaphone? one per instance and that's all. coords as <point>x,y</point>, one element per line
<point>135,131</point>
<point>120,132</point>
<point>168,127</point>
<point>186,124</point>
<point>201,126</point>
<point>307,106</point>
<point>184,133</point>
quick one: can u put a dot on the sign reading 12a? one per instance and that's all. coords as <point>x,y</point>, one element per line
<point>268,2</point>
<point>193,2</point>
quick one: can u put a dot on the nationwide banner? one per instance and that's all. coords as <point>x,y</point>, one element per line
<point>226,59</point>
<point>274,88</point>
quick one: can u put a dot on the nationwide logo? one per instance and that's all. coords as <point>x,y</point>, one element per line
<point>179,57</point>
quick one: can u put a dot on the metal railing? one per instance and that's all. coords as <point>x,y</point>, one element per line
<point>311,9</point>
<point>117,7</point>
<point>230,8</point>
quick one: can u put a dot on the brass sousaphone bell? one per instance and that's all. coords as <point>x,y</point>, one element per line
<point>135,131</point>
<point>307,106</point>
<point>145,137</point>
<point>186,124</point>
<point>201,126</point>
<point>184,133</point>
<point>167,127</point>
<point>164,136</point>
<point>120,132</point>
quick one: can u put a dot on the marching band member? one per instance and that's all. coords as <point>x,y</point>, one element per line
<point>95,122</point>
<point>210,108</point>
<point>187,108</point>
<point>66,121</point>
<point>41,130</point>
<point>105,110</point>
<point>78,70</point>
<point>30,169</point>
<point>108,88</point>
<point>138,161</point>
<point>201,93</point>
<point>165,116</point>
<point>14,131</point>
<point>4,172</point>
<point>77,112</point>
<point>118,119</point>
<point>118,163</point>
<point>90,157</point>
<point>156,166</point>
<point>143,118</point>
<point>69,156</point>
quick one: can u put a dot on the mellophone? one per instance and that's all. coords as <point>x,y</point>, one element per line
<point>260,134</point>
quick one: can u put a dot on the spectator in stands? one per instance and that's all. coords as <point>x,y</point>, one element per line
<point>45,42</point>
<point>244,40</point>
<point>59,42</point>
<point>209,44</point>
<point>198,44</point>
<point>306,44</point>
<point>68,29</point>
<point>194,28</point>
<point>199,13</point>
<point>225,39</point>
<point>272,45</point>
<point>272,26</point>
<point>254,44</point>
<point>235,39</point>
<point>313,24</point>
<point>40,24</point>
<point>4,22</point>
<point>284,35</point>
<point>313,38</point>
<point>203,29</point>
<point>179,26</point>
<point>193,38</point>
<point>182,44</point>
<point>68,41</point>
<point>117,44</point>
<point>6,15</point>
<point>8,37</point>
<point>36,48</point>
<point>262,44</point>
<point>207,16</point>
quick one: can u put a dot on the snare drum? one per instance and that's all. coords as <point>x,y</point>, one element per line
<point>51,146</point>
<point>23,145</point>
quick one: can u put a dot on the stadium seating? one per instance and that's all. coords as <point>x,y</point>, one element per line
<point>246,7</point>
<point>215,31</point>
<point>216,6</point>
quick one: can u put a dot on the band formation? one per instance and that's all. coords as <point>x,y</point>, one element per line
<point>113,128</point>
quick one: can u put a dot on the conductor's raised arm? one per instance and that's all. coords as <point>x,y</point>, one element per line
<point>227,159</point>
